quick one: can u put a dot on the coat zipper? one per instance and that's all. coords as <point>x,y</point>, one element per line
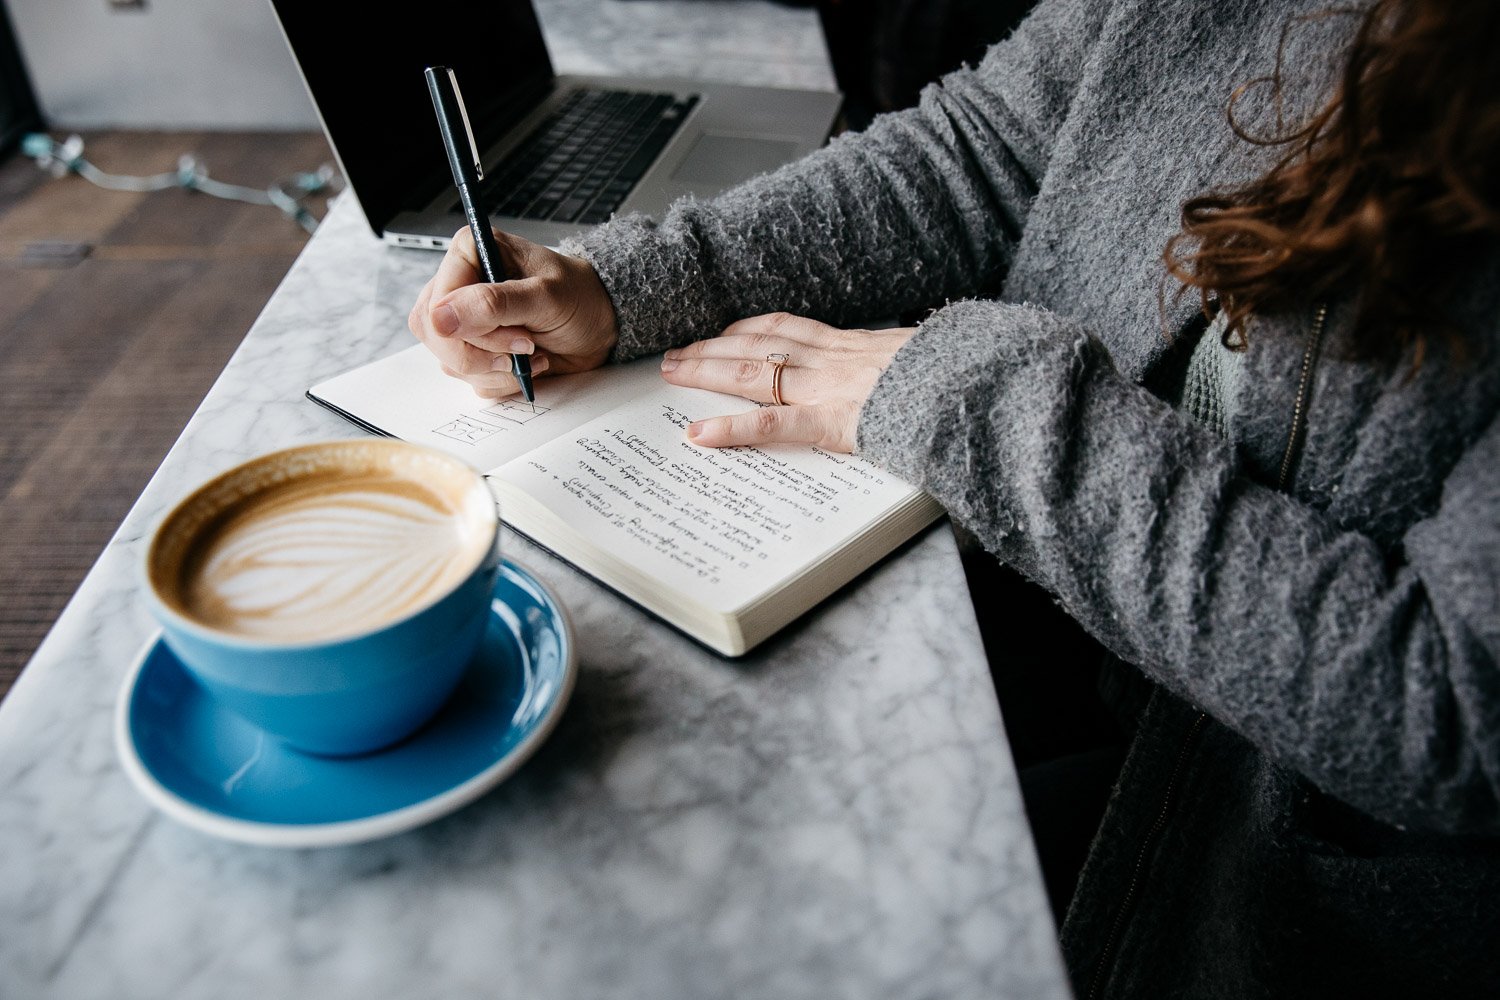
<point>1299,422</point>
<point>1304,390</point>
<point>1140,859</point>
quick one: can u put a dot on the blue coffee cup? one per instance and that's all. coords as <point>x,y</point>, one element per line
<point>331,594</point>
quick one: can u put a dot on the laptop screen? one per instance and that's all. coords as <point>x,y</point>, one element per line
<point>363,64</point>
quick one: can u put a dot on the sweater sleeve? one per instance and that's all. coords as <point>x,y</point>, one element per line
<point>925,204</point>
<point>1371,673</point>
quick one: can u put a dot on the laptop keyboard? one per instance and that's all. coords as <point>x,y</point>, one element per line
<point>581,162</point>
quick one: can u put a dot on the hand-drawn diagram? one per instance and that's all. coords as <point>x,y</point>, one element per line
<point>472,428</point>
<point>517,410</point>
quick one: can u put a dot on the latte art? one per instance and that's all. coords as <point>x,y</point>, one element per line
<point>320,558</point>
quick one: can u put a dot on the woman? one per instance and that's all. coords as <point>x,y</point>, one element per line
<point>1277,499</point>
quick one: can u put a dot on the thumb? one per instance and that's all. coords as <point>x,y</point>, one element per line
<point>475,310</point>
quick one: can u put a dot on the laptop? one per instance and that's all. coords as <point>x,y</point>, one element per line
<point>560,153</point>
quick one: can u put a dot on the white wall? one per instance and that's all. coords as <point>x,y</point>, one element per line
<point>182,64</point>
<point>176,64</point>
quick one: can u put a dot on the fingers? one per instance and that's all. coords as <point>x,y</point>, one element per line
<point>463,323</point>
<point>823,364</point>
<point>506,340</point>
<point>459,302</point>
<point>459,266</point>
<point>554,306</point>
<point>498,383</point>
<point>479,309</point>
<point>784,327</point>
<point>827,425</point>
<point>739,376</point>
<point>735,362</point>
<point>464,359</point>
<point>752,347</point>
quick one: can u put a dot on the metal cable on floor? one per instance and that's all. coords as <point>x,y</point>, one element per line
<point>288,194</point>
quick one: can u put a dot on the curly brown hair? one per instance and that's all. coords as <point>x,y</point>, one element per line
<point>1381,193</point>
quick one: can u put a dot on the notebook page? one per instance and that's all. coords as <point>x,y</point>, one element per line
<point>407,396</point>
<point>722,526</point>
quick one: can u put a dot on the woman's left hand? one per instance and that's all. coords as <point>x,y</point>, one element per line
<point>827,376</point>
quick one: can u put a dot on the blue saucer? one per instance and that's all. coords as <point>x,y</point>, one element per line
<point>210,769</point>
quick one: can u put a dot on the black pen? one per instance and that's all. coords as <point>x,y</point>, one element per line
<point>452,118</point>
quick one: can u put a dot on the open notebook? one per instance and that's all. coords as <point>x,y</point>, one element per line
<point>727,545</point>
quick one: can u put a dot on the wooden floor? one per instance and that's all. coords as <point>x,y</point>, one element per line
<point>103,360</point>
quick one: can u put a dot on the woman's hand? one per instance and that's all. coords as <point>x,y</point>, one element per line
<point>554,309</point>
<point>828,375</point>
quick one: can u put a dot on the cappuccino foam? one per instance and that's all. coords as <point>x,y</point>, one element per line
<point>328,555</point>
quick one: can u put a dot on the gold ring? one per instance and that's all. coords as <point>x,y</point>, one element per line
<point>777,362</point>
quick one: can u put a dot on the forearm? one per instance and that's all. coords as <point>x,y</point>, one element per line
<point>1376,682</point>
<point>925,205</point>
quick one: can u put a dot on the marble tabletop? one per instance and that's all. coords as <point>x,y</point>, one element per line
<point>835,816</point>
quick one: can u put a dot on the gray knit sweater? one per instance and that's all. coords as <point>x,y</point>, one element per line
<point>1342,635</point>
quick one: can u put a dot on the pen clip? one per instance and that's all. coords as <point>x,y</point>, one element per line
<point>463,113</point>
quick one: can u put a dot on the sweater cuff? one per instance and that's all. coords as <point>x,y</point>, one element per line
<point>958,408</point>
<point>654,280</point>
